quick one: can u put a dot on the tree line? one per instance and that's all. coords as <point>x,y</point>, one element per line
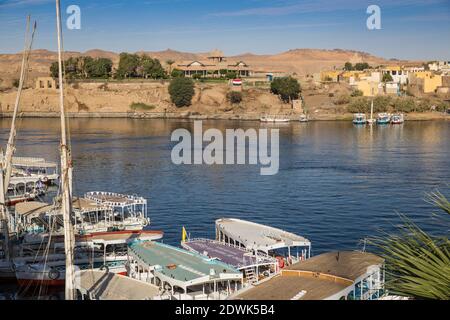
<point>130,66</point>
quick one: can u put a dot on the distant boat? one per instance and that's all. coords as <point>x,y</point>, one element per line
<point>359,118</point>
<point>383,118</point>
<point>273,119</point>
<point>303,118</point>
<point>397,119</point>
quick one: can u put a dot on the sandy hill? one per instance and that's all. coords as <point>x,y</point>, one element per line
<point>299,61</point>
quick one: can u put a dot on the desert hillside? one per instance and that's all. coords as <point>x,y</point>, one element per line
<point>298,61</point>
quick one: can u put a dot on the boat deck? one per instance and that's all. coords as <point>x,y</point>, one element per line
<point>180,264</point>
<point>287,287</point>
<point>257,236</point>
<point>236,257</point>
<point>109,286</point>
<point>319,277</point>
<point>346,264</point>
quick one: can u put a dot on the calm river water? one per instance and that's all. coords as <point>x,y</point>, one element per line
<point>337,183</point>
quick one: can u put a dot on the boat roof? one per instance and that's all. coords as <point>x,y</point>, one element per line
<point>36,208</point>
<point>319,277</point>
<point>33,162</point>
<point>127,236</point>
<point>284,287</point>
<point>184,267</point>
<point>110,286</point>
<point>234,256</point>
<point>345,264</point>
<point>257,236</point>
<point>114,199</point>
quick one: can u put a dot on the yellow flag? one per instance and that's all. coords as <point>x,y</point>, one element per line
<point>183,234</point>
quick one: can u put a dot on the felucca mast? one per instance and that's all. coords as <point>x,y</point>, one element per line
<point>6,164</point>
<point>66,181</point>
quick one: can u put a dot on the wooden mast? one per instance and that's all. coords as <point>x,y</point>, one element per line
<point>6,164</point>
<point>66,201</point>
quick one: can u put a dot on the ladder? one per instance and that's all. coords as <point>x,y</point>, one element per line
<point>250,275</point>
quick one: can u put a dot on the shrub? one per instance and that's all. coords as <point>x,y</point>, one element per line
<point>16,83</point>
<point>359,105</point>
<point>443,107</point>
<point>181,91</point>
<point>234,97</point>
<point>136,106</point>
<point>176,73</point>
<point>381,103</point>
<point>196,76</point>
<point>342,99</point>
<point>287,88</point>
<point>356,93</point>
<point>231,75</point>
<point>404,105</point>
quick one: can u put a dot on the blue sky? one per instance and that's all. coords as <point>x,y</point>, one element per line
<point>411,29</point>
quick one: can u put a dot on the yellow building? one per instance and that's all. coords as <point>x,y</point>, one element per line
<point>425,81</point>
<point>369,88</point>
<point>332,75</point>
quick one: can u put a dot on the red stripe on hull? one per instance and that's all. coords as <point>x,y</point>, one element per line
<point>46,283</point>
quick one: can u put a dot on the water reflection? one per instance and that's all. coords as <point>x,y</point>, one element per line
<point>337,182</point>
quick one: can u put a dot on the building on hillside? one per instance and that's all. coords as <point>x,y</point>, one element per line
<point>397,73</point>
<point>330,76</point>
<point>369,88</point>
<point>392,88</point>
<point>45,83</point>
<point>424,82</point>
<point>215,65</point>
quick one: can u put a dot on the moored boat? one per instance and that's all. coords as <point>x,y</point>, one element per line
<point>359,118</point>
<point>383,118</point>
<point>274,119</point>
<point>397,119</point>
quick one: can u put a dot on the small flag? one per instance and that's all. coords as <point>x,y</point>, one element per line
<point>183,234</point>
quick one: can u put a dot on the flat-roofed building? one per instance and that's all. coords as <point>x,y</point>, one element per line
<point>215,65</point>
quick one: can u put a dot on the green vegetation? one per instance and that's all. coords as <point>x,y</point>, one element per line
<point>181,91</point>
<point>417,263</point>
<point>348,66</point>
<point>342,99</point>
<point>139,106</point>
<point>231,75</point>
<point>176,73</point>
<point>16,83</point>
<point>135,66</point>
<point>358,66</point>
<point>234,97</point>
<point>84,68</point>
<point>356,93</point>
<point>287,88</point>
<point>387,78</point>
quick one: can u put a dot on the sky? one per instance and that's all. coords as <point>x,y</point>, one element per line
<point>410,29</point>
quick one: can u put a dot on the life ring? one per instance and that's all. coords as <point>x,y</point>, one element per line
<point>53,274</point>
<point>280,262</point>
<point>104,268</point>
<point>145,222</point>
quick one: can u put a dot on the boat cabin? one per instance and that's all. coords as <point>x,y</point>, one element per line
<point>182,275</point>
<point>255,267</point>
<point>284,246</point>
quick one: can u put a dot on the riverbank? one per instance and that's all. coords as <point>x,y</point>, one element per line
<point>426,116</point>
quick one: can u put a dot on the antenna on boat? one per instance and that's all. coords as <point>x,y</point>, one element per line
<point>66,176</point>
<point>6,163</point>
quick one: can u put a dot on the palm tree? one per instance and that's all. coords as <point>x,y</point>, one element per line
<point>417,263</point>
<point>170,62</point>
